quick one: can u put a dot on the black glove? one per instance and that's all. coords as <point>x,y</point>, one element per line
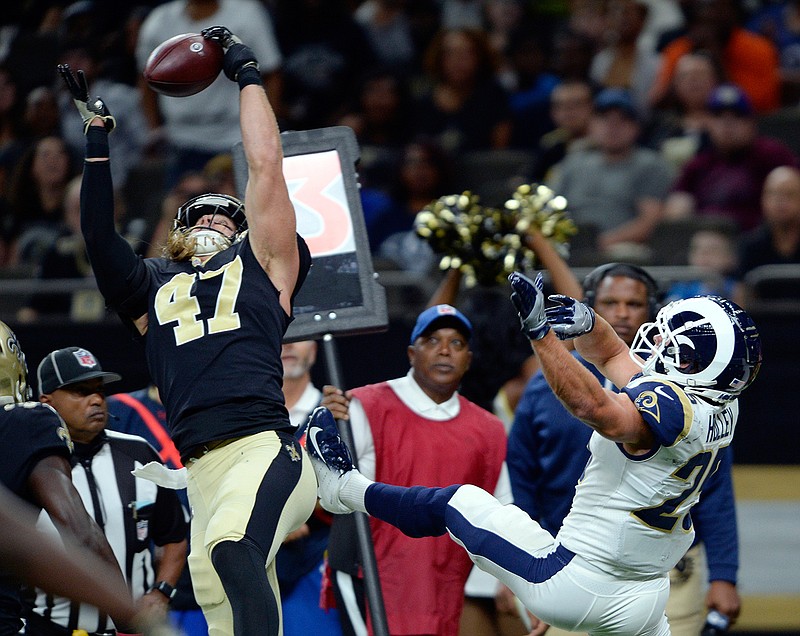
<point>240,64</point>
<point>80,95</point>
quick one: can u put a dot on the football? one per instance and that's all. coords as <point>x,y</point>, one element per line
<point>183,65</point>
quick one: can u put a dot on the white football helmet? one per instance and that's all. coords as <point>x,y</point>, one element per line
<point>13,370</point>
<point>706,344</point>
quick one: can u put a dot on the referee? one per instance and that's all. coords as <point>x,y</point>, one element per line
<point>139,518</point>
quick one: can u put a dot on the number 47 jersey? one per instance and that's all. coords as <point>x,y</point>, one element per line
<point>631,513</point>
<point>213,344</point>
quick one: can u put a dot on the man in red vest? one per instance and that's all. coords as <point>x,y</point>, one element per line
<point>411,430</point>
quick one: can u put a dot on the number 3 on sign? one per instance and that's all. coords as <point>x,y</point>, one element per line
<point>174,302</point>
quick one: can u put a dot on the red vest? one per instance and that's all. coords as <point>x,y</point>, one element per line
<point>423,579</point>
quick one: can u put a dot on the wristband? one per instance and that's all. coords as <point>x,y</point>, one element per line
<point>165,588</point>
<point>97,142</point>
<point>249,74</point>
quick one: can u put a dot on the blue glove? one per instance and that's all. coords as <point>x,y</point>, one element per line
<point>528,300</point>
<point>569,318</point>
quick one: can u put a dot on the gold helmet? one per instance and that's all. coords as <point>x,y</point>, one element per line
<point>13,370</point>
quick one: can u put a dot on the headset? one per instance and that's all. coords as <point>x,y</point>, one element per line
<point>626,270</point>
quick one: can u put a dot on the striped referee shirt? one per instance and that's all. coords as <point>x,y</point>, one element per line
<point>134,514</point>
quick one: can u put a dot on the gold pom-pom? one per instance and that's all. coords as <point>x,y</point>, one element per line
<point>487,244</point>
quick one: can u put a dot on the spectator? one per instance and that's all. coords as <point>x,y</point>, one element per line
<point>503,19</point>
<point>300,561</point>
<point>198,127</point>
<point>713,250</point>
<point>142,413</point>
<point>571,110</point>
<point>617,186</point>
<point>779,22</point>
<point>624,61</point>
<point>464,108</point>
<point>42,117</point>
<point>388,29</point>
<point>35,467</point>
<point>419,429</point>
<point>572,55</point>
<point>748,60</point>
<point>423,176</point>
<point>135,514</point>
<point>679,128</point>
<point>325,53</point>
<point>64,258</point>
<point>727,178</point>
<point>381,119</point>
<point>548,450</point>
<point>776,240</point>
<point>36,199</point>
<point>530,85</point>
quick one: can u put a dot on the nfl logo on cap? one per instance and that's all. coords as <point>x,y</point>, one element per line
<point>85,358</point>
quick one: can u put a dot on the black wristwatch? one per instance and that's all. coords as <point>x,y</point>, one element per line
<point>165,588</point>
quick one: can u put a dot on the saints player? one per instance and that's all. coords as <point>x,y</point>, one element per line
<point>212,314</point>
<point>35,467</point>
<point>653,446</point>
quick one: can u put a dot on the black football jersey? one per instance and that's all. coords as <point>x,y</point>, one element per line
<point>30,432</point>
<point>213,345</point>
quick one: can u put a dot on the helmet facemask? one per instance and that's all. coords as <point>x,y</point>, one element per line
<point>207,240</point>
<point>13,369</point>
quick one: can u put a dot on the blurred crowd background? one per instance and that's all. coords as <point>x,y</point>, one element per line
<point>660,121</point>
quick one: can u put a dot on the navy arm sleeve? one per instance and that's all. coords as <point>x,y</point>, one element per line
<point>714,518</point>
<point>119,272</point>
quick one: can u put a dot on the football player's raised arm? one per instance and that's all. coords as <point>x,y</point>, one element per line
<point>612,415</point>
<point>270,213</point>
<point>112,258</point>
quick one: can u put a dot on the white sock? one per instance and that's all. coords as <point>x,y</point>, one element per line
<point>353,490</point>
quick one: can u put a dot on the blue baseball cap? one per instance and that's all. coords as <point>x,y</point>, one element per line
<point>440,316</point>
<point>615,98</point>
<point>729,97</point>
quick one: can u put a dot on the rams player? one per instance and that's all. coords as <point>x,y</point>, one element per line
<point>653,446</point>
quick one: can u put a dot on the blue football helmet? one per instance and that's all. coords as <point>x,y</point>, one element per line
<point>706,344</point>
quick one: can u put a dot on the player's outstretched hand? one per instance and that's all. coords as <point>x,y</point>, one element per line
<point>238,56</point>
<point>528,300</point>
<point>88,108</point>
<point>568,317</point>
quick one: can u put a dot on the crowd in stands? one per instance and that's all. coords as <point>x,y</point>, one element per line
<point>642,113</point>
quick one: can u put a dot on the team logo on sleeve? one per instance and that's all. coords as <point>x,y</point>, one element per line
<point>63,433</point>
<point>647,402</point>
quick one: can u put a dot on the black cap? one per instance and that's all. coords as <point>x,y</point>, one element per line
<point>69,366</point>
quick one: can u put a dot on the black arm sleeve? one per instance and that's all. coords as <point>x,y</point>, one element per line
<point>119,272</point>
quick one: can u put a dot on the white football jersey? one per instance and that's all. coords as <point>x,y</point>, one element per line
<point>630,515</point>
